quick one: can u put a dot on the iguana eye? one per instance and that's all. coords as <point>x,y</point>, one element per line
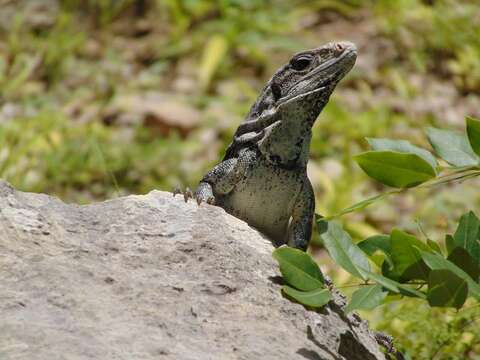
<point>301,63</point>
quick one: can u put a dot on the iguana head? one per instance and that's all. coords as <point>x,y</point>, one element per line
<point>280,121</point>
<point>316,70</point>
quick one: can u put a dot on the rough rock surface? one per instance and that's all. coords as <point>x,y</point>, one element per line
<point>151,277</point>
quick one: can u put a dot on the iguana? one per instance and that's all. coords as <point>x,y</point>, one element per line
<point>263,177</point>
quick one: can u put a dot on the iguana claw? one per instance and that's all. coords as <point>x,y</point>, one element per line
<point>209,200</point>
<point>176,191</point>
<point>187,194</point>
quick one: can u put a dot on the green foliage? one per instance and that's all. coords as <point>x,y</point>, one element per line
<point>452,147</point>
<point>47,153</point>
<point>445,289</point>
<point>367,298</point>
<point>298,269</point>
<point>473,132</point>
<point>425,30</point>
<point>405,259</point>
<point>395,287</point>
<point>400,170</point>
<point>402,146</point>
<point>400,164</point>
<point>467,235</point>
<point>409,259</point>
<point>246,27</point>
<point>377,244</point>
<point>426,333</point>
<point>342,249</point>
<point>437,262</point>
<point>460,257</point>
<point>303,276</point>
<point>314,298</point>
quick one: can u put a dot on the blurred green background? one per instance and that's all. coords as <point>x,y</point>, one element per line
<point>103,98</point>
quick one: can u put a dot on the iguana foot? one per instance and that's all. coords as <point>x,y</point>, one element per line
<point>209,200</point>
<point>387,342</point>
<point>204,193</point>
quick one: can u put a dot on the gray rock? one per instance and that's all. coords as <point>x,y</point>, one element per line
<point>151,277</point>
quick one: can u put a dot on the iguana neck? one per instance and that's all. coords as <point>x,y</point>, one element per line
<point>286,143</point>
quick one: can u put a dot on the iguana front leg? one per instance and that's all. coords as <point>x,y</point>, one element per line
<point>223,177</point>
<point>300,229</point>
<point>219,178</point>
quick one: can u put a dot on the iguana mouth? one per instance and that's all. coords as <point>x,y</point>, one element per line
<point>350,52</point>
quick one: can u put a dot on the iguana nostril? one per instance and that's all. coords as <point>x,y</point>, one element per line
<point>338,49</point>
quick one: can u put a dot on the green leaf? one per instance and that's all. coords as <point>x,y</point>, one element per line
<point>467,235</point>
<point>438,262</point>
<point>406,258</point>
<point>453,147</point>
<point>395,169</point>
<point>460,257</point>
<point>449,243</point>
<point>298,269</point>
<point>473,132</point>
<point>342,249</point>
<point>313,298</point>
<point>395,286</point>
<point>376,243</point>
<point>366,298</point>
<point>445,289</point>
<point>434,246</point>
<point>402,146</point>
<point>388,271</point>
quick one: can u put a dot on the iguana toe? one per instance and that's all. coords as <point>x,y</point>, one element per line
<point>176,191</point>
<point>211,200</point>
<point>204,198</point>
<point>188,194</point>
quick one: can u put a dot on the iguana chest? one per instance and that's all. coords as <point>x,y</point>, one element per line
<point>264,197</point>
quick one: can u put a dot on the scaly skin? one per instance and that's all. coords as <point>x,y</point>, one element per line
<point>262,178</point>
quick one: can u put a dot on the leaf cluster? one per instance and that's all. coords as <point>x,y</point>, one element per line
<point>406,266</point>
<point>400,164</point>
<point>399,263</point>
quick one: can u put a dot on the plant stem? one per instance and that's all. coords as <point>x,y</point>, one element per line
<point>353,285</point>
<point>458,174</point>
